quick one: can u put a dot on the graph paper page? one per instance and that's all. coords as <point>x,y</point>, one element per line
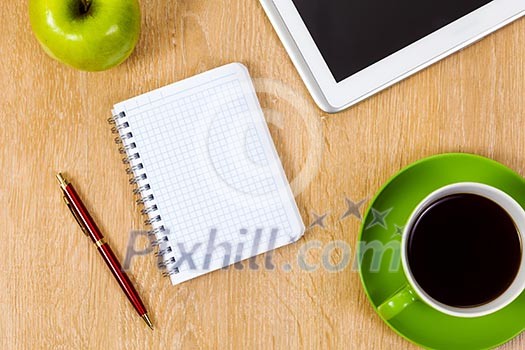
<point>218,184</point>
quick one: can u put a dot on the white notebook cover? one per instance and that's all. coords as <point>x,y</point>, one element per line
<point>202,149</point>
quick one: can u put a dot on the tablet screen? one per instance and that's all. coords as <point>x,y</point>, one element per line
<point>353,35</point>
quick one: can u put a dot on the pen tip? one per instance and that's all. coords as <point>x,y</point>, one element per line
<point>147,320</point>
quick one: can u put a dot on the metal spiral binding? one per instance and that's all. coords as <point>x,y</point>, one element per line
<point>145,199</point>
<point>140,190</point>
<point>158,242</point>
<point>157,233</point>
<point>136,179</point>
<point>134,168</point>
<point>146,211</point>
<point>161,252</point>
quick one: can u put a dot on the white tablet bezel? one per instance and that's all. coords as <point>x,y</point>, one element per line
<point>332,96</point>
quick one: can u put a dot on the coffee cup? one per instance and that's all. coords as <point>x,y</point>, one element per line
<point>462,252</point>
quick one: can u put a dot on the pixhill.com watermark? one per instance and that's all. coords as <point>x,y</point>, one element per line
<point>331,256</point>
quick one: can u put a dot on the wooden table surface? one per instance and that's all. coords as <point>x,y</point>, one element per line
<point>55,290</point>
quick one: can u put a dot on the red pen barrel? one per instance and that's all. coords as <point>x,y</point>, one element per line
<point>122,278</point>
<point>82,214</point>
<point>90,228</point>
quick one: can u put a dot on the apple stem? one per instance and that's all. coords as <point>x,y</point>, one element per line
<point>86,4</point>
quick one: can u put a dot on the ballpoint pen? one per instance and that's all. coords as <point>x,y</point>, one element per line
<point>90,229</point>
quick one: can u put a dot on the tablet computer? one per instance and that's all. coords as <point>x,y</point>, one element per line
<point>346,51</point>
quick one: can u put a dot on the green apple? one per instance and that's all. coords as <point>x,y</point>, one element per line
<point>91,35</point>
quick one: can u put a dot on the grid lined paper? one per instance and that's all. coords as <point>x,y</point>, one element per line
<point>218,184</point>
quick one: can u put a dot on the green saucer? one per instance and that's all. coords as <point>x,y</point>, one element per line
<point>382,277</point>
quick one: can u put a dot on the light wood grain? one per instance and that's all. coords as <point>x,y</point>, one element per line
<point>55,290</point>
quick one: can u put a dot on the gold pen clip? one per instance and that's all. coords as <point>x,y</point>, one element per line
<point>75,216</point>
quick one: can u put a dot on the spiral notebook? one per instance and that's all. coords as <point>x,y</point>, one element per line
<point>207,172</point>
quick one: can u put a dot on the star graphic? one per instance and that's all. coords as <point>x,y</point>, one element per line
<point>293,239</point>
<point>379,218</point>
<point>399,230</point>
<point>318,221</point>
<point>353,208</point>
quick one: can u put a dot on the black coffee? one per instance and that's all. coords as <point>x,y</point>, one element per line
<point>464,250</point>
